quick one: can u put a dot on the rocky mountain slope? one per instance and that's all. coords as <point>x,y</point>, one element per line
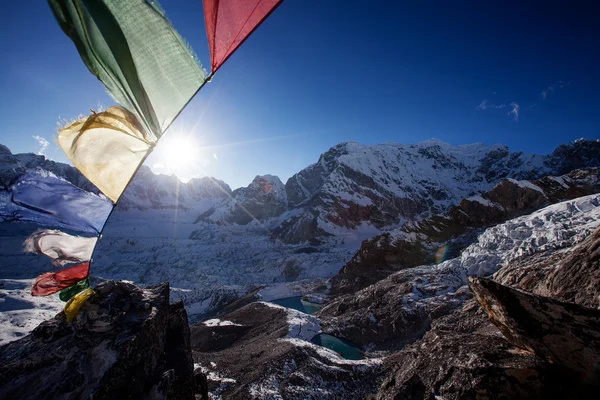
<point>444,236</point>
<point>263,351</point>
<point>422,332</point>
<point>402,306</point>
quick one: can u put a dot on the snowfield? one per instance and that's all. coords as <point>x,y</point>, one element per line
<point>207,264</point>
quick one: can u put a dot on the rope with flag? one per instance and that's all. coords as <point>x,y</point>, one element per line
<point>146,67</point>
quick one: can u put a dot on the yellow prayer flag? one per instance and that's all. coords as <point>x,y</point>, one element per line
<point>74,304</point>
<point>107,148</point>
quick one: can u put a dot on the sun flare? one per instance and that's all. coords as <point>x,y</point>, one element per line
<point>180,152</point>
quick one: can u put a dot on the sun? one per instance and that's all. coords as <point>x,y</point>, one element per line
<point>179,152</point>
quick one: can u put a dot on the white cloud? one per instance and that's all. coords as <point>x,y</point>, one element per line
<point>514,108</point>
<point>514,111</point>
<point>43,144</point>
<point>552,88</point>
<point>482,106</point>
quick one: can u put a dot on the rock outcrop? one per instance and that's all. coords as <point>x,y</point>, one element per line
<point>125,343</point>
<point>566,334</point>
<point>401,307</point>
<point>463,356</point>
<point>507,343</point>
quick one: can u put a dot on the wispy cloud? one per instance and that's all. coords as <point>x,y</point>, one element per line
<point>546,92</point>
<point>514,108</point>
<point>43,144</point>
<point>482,106</point>
<point>514,111</point>
<point>485,104</point>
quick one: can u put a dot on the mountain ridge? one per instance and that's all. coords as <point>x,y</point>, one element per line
<point>354,187</point>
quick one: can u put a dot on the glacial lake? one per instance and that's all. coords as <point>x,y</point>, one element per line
<point>298,304</point>
<point>346,349</point>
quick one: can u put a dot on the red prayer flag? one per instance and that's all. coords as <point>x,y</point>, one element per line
<point>230,22</point>
<point>52,282</point>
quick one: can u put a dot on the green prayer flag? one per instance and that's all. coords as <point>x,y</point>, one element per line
<point>67,293</point>
<point>132,48</point>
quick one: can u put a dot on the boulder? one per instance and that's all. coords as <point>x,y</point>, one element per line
<point>566,334</point>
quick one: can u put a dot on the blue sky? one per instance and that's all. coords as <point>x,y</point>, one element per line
<point>321,72</point>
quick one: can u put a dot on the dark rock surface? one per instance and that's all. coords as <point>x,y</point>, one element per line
<point>396,310</point>
<point>444,236</point>
<point>566,334</point>
<point>249,356</point>
<point>125,343</point>
<point>463,356</point>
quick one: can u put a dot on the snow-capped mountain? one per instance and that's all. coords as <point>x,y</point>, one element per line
<point>14,165</point>
<point>402,305</point>
<point>368,188</point>
<point>146,191</point>
<point>150,191</point>
<point>444,236</point>
<point>263,199</point>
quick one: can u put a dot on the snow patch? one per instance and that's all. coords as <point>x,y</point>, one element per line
<point>218,322</point>
<point>526,184</point>
<point>483,201</point>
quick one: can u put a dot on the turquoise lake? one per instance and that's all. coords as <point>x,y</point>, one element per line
<point>298,304</point>
<point>346,349</point>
